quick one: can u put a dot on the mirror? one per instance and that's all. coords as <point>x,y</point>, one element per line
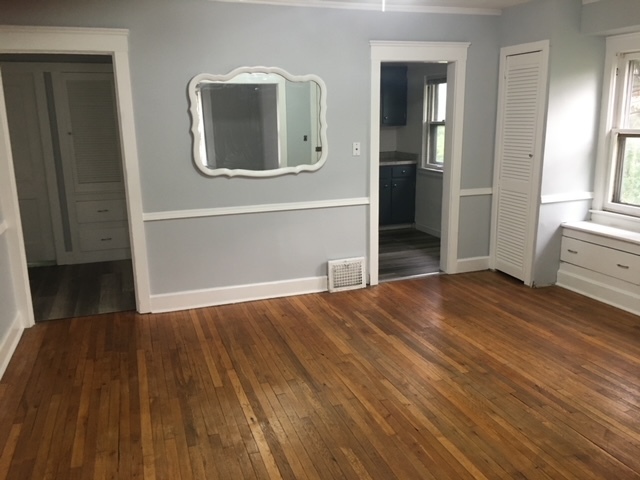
<point>258,122</point>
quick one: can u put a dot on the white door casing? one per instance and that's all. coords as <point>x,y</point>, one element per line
<point>113,42</point>
<point>11,227</point>
<point>455,55</point>
<point>522,100</point>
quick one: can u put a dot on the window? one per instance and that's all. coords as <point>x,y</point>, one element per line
<point>624,187</point>
<point>435,108</point>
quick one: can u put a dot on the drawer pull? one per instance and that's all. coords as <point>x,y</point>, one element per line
<point>571,251</point>
<point>626,267</point>
<point>107,239</point>
<point>104,210</point>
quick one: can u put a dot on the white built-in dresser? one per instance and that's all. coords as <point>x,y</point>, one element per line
<point>601,262</point>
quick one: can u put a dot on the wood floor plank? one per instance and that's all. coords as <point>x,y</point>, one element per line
<point>469,376</point>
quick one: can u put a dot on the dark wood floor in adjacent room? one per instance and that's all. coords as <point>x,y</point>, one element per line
<point>65,291</point>
<point>407,252</point>
<point>470,376</point>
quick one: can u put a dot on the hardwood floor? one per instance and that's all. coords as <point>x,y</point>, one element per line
<point>405,253</point>
<point>470,376</point>
<point>65,291</point>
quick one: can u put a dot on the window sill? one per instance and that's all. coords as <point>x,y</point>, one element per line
<point>430,170</point>
<point>616,220</point>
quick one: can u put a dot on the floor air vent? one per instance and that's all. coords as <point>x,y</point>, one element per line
<point>346,274</point>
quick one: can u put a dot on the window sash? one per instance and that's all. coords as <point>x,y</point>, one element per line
<point>433,105</point>
<point>618,138</point>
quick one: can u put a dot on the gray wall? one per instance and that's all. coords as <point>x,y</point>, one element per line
<point>170,42</point>
<point>428,184</point>
<point>429,202</point>
<point>575,82</point>
<point>410,136</point>
<point>611,16</point>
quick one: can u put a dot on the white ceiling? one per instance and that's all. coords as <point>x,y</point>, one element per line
<point>487,7</point>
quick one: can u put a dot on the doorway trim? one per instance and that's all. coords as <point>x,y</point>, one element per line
<point>455,54</point>
<point>96,41</point>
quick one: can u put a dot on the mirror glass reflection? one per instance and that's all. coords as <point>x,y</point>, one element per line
<point>258,122</point>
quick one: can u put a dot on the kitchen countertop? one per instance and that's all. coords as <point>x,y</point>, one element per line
<point>391,163</point>
<point>397,158</point>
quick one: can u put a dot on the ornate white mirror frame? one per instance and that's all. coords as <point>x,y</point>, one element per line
<point>284,115</point>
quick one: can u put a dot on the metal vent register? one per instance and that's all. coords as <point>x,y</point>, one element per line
<point>346,274</point>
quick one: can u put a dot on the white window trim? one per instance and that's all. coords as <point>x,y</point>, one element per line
<point>427,123</point>
<point>607,138</point>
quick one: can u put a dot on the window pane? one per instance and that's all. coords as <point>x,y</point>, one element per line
<point>441,102</point>
<point>438,150</point>
<point>632,114</point>
<point>630,180</point>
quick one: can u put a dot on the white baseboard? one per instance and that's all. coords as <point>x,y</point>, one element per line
<point>429,230</point>
<point>609,290</point>
<point>10,342</point>
<point>171,302</point>
<point>474,264</point>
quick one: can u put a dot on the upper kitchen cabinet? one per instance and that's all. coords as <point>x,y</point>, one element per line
<point>393,95</point>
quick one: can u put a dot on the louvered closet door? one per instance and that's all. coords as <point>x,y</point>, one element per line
<point>517,162</point>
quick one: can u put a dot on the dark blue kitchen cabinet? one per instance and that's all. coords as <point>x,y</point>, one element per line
<point>397,194</point>
<point>393,95</point>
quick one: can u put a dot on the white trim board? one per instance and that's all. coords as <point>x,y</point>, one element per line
<point>103,41</point>
<point>455,54</point>
<point>241,293</point>
<point>375,6</point>
<point>476,192</point>
<point>428,230</point>
<point>10,342</point>
<point>474,264</point>
<point>247,209</point>
<point>16,256</point>
<point>566,197</point>
<point>599,287</point>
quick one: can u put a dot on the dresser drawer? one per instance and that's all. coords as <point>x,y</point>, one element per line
<point>92,239</point>
<point>91,211</point>
<point>607,261</point>
<point>404,171</point>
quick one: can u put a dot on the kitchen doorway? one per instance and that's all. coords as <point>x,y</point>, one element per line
<point>454,55</point>
<point>412,145</point>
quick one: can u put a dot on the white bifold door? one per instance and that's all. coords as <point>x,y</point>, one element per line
<point>519,145</point>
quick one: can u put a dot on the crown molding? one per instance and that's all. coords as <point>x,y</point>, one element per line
<point>372,6</point>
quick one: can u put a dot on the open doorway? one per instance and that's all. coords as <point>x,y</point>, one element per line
<point>412,145</point>
<point>454,56</point>
<point>67,160</point>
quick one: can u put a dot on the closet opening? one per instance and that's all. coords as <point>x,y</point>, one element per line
<point>67,155</point>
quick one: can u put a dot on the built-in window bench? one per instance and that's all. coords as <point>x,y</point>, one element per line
<point>601,262</point>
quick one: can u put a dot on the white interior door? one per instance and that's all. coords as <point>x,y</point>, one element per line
<point>29,166</point>
<point>522,101</point>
